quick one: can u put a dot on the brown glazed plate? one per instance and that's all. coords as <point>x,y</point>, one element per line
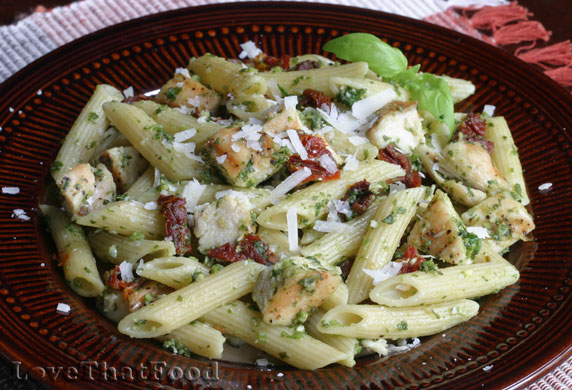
<point>520,333</point>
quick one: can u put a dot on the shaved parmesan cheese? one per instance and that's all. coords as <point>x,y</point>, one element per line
<point>389,271</point>
<point>377,346</point>
<point>352,163</point>
<point>487,368</point>
<point>290,102</point>
<point>329,226</point>
<point>343,207</point>
<point>403,346</point>
<point>544,188</point>
<point>329,164</point>
<point>187,149</point>
<point>363,108</point>
<point>489,109</point>
<point>249,50</point>
<point>297,144</point>
<point>192,193</point>
<point>185,135</point>
<point>435,143</point>
<point>152,93</point>
<point>235,148</point>
<point>128,92</point>
<point>20,214</point>
<point>394,187</point>
<point>262,362</point>
<point>183,71</point>
<point>221,159</point>
<point>235,194</point>
<point>126,270</point>
<point>289,183</point>
<point>10,190</point>
<point>150,206</point>
<point>292,221</point>
<point>157,178</point>
<point>357,140</point>
<point>63,308</point>
<point>479,231</point>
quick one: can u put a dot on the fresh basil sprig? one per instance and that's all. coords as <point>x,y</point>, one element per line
<point>432,93</point>
<point>383,59</point>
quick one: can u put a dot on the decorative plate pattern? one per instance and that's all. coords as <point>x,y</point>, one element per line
<point>519,334</point>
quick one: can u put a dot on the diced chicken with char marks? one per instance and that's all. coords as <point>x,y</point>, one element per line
<point>85,188</point>
<point>290,289</point>
<point>440,233</point>
<point>244,164</point>
<point>183,91</point>
<point>223,221</point>
<point>505,219</point>
<point>398,123</point>
<point>125,164</point>
<point>472,164</point>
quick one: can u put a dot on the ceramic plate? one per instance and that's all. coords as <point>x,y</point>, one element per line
<point>518,335</point>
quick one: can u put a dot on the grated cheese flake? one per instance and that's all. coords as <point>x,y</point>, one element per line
<point>363,108</point>
<point>289,183</point>
<point>20,214</point>
<point>63,308</point>
<point>183,71</point>
<point>297,144</point>
<point>11,190</point>
<point>128,92</point>
<point>192,193</point>
<point>290,102</point>
<point>544,188</point>
<point>329,164</point>
<point>126,270</point>
<point>150,206</point>
<point>389,271</point>
<point>352,163</point>
<point>489,109</point>
<point>357,140</point>
<point>249,50</point>
<point>479,231</point>
<point>184,135</point>
<point>221,159</point>
<point>330,226</point>
<point>292,220</point>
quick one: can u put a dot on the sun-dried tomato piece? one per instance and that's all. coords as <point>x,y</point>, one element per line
<point>176,227</point>
<point>359,197</point>
<point>264,62</point>
<point>315,99</point>
<point>316,147</point>
<point>473,130</point>
<point>307,65</point>
<point>346,267</point>
<point>391,155</point>
<point>411,260</point>
<point>253,247</point>
<point>250,247</point>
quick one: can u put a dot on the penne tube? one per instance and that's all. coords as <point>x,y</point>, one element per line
<point>452,283</point>
<point>373,321</point>
<point>200,338</point>
<point>80,268</point>
<point>115,248</point>
<point>295,348</point>
<point>173,271</point>
<point>382,239</point>
<point>191,302</point>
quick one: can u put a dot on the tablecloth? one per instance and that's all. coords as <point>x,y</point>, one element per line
<point>497,22</point>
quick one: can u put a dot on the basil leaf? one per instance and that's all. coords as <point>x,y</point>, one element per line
<point>383,59</point>
<point>433,94</point>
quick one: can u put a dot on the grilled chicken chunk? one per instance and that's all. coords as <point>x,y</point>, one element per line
<point>292,288</point>
<point>440,232</point>
<point>472,164</point>
<point>125,164</point>
<point>223,221</point>
<point>183,91</point>
<point>505,219</point>
<point>243,161</point>
<point>85,188</point>
<point>398,123</point>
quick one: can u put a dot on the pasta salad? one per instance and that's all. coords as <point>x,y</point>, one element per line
<point>308,207</point>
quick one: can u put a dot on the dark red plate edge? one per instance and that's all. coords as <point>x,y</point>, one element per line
<point>557,354</point>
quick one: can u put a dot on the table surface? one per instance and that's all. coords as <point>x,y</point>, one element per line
<point>555,15</point>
